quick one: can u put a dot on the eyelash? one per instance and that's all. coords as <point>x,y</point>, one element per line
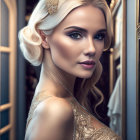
<point>99,36</point>
<point>75,35</point>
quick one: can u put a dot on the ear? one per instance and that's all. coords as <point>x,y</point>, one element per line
<point>44,40</point>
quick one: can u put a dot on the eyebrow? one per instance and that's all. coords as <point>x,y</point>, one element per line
<point>84,30</point>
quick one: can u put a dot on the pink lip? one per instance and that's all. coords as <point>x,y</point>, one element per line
<point>87,64</point>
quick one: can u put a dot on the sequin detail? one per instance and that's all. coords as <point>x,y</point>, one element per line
<point>52,6</point>
<point>83,128</point>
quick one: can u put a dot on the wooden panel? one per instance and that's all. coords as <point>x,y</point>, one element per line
<point>6,128</point>
<point>4,49</point>
<point>11,49</point>
<point>4,24</point>
<point>5,106</point>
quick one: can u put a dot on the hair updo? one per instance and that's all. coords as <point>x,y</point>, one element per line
<point>30,39</point>
<point>30,42</point>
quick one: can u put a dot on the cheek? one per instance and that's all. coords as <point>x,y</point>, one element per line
<point>99,50</point>
<point>63,48</point>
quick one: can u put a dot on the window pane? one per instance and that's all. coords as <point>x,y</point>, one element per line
<point>4,118</point>
<point>4,24</point>
<point>4,78</point>
<point>5,136</point>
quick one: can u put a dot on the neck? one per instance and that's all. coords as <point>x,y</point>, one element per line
<point>54,80</point>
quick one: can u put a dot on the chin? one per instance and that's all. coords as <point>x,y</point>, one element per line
<point>85,76</point>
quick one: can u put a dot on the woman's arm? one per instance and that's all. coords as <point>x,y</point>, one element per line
<point>52,120</point>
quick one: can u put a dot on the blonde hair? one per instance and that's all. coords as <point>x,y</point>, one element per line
<point>30,39</point>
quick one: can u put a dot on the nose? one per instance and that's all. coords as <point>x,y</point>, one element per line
<point>90,48</point>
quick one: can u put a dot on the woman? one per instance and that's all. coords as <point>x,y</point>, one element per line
<point>67,37</point>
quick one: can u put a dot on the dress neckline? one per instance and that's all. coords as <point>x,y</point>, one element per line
<point>83,120</point>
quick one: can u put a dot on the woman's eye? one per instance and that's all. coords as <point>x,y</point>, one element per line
<point>75,35</point>
<point>100,36</point>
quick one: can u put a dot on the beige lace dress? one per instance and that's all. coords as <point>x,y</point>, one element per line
<point>83,122</point>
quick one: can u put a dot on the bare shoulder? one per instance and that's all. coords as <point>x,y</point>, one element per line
<point>55,107</point>
<point>52,119</point>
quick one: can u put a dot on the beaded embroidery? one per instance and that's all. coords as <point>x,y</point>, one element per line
<point>83,128</point>
<point>52,6</point>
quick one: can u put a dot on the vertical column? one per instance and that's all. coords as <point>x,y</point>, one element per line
<point>131,70</point>
<point>21,113</point>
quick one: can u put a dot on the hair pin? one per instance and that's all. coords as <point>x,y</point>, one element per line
<point>52,6</point>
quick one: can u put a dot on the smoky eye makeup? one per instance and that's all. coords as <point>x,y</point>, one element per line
<point>100,36</point>
<point>75,34</point>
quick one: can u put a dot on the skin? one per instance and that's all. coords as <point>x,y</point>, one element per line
<point>70,45</point>
<point>79,37</point>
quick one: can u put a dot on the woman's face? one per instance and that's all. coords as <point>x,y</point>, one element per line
<point>78,41</point>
